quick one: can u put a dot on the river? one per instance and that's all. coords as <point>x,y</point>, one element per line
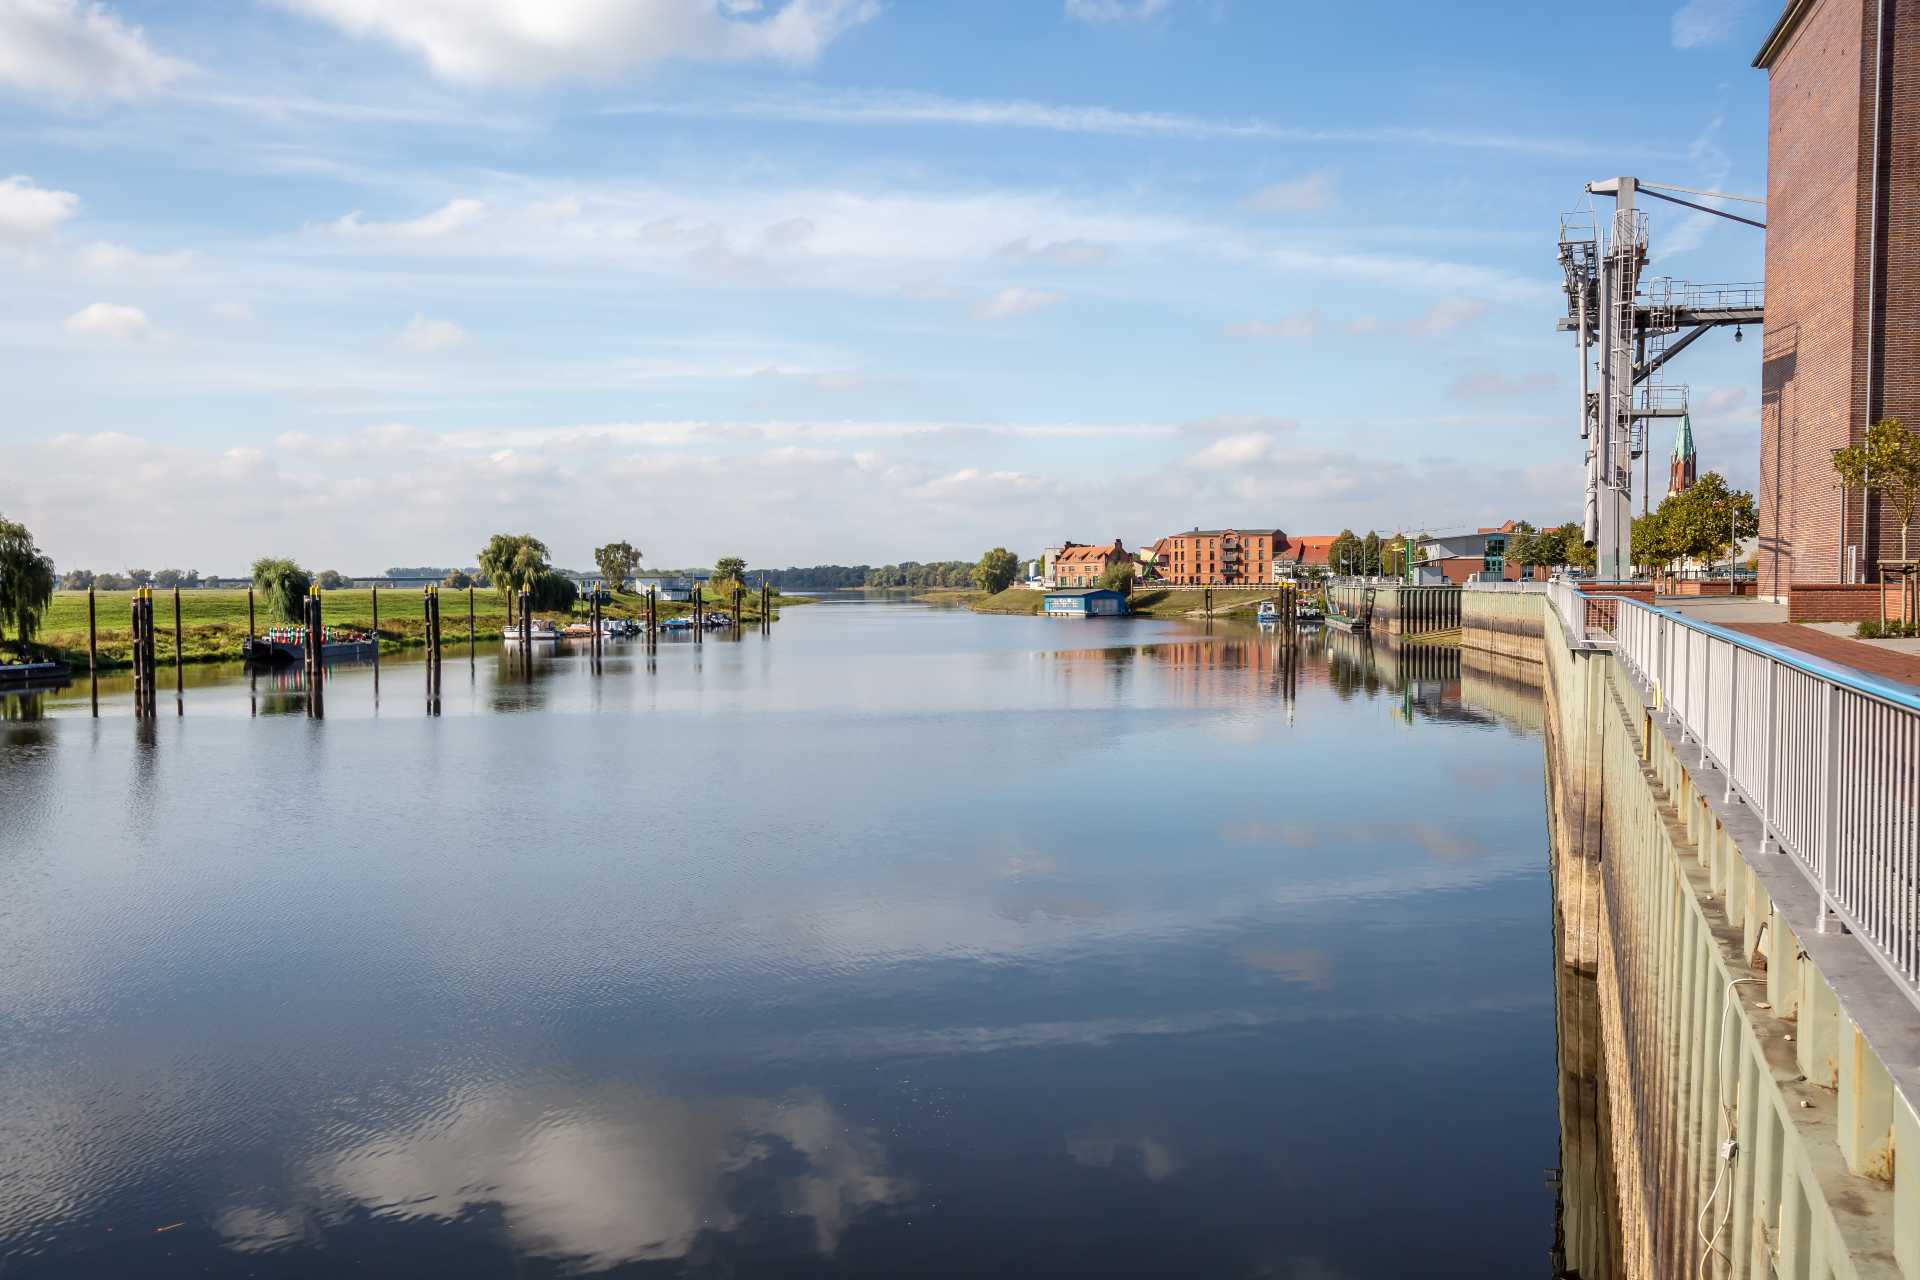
<point>900,942</point>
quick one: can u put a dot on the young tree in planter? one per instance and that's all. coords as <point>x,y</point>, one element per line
<point>26,584</point>
<point>282,585</point>
<point>1888,463</point>
<point>996,570</point>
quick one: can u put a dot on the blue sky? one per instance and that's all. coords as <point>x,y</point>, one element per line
<point>809,280</point>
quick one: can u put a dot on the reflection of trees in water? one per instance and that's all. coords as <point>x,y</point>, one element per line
<point>23,708</point>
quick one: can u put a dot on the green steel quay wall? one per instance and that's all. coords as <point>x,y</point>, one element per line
<point>1738,1081</point>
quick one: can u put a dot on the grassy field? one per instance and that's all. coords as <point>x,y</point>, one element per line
<point>1012,600</point>
<point>213,623</point>
<point>1165,602</point>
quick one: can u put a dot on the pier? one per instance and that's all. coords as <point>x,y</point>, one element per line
<point>1734,832</point>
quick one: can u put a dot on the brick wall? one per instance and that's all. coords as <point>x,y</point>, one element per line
<point>1813,207</point>
<point>1839,602</point>
<point>1814,377</point>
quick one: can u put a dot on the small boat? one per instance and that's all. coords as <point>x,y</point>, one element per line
<point>542,632</point>
<point>715,621</point>
<point>1357,621</point>
<point>1308,612</point>
<point>32,673</point>
<point>681,623</point>
<point>619,627</point>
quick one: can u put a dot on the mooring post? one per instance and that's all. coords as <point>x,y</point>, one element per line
<point>376,624</point>
<point>738,591</point>
<point>134,623</point>
<point>93,638</point>
<point>179,658</point>
<point>653,613</point>
<point>250,627</point>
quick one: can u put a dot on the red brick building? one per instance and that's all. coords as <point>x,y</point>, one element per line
<point>1843,276</point>
<point>1078,566</point>
<point>1219,557</point>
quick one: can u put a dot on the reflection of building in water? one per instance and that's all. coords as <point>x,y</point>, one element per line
<point>1209,668</point>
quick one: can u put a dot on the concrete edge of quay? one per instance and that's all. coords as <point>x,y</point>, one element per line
<point>1692,934</point>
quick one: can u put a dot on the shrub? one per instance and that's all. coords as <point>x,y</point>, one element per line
<point>1891,629</point>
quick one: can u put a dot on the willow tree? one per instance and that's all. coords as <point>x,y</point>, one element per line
<point>282,584</point>
<point>26,584</point>
<point>514,562</point>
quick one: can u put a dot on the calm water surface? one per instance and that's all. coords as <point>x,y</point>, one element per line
<point>904,942</point>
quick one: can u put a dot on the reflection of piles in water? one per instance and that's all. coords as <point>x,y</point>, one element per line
<point>1426,675</point>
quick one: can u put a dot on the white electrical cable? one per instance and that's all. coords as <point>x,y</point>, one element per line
<point>1730,1148</point>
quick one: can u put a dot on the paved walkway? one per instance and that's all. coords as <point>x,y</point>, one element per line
<point>1887,664</point>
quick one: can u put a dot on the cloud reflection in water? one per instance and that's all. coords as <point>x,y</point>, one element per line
<point>604,1177</point>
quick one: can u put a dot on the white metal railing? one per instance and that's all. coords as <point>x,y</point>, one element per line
<point>1532,588</point>
<point>1827,758</point>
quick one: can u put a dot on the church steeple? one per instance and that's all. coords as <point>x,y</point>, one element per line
<point>1681,469</point>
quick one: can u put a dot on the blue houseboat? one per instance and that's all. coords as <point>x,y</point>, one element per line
<point>1089,602</point>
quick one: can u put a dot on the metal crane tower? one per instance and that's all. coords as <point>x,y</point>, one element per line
<point>1629,324</point>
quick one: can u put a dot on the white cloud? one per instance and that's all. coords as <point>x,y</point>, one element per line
<point>108,320</point>
<point>1059,253</point>
<point>107,259</point>
<point>454,216</point>
<point>822,487</point>
<point>1705,22</point>
<point>534,41</point>
<point>894,108</point>
<point>1301,324</point>
<point>1234,451</point>
<point>424,335</point>
<point>78,51</point>
<point>28,210</point>
<point>1017,301</point>
<point>1298,195</point>
<point>1102,12</point>
<point>233,312</point>
<point>1445,316</point>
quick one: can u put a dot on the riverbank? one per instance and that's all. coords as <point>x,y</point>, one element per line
<point>213,623</point>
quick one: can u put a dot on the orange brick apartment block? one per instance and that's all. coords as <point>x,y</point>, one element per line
<point>1842,341</point>
<point>1220,557</point>
<point>1078,566</point>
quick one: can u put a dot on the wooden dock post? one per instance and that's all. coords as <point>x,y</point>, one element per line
<point>376,624</point>
<point>139,704</point>
<point>250,627</point>
<point>653,614</point>
<point>179,657</point>
<point>766,610</point>
<point>93,639</point>
<point>738,591</point>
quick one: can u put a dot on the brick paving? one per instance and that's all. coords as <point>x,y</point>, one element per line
<point>1887,664</point>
